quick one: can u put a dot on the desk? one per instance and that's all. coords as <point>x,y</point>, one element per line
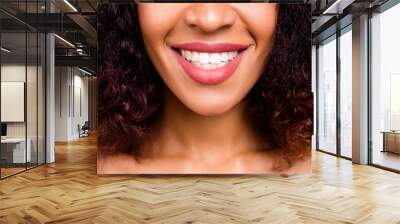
<point>15,148</point>
<point>391,141</point>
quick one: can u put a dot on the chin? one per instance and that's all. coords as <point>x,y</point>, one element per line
<point>207,108</point>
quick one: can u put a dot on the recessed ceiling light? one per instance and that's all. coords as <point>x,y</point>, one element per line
<point>84,71</point>
<point>5,50</point>
<point>65,41</point>
<point>70,5</point>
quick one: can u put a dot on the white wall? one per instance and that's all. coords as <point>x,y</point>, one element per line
<point>33,126</point>
<point>62,81</point>
<point>16,72</point>
<point>80,111</point>
<point>71,102</point>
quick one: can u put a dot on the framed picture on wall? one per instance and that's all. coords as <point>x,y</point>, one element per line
<point>204,88</point>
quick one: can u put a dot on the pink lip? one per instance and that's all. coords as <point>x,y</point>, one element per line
<point>211,76</point>
<point>214,48</point>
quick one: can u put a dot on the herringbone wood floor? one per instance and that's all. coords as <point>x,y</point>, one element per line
<point>69,191</point>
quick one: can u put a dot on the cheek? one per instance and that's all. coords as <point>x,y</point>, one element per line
<point>156,21</point>
<point>262,24</point>
<point>264,35</point>
<point>156,17</point>
<point>261,20</point>
<point>151,33</point>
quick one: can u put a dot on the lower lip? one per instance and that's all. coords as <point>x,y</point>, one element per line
<point>211,76</point>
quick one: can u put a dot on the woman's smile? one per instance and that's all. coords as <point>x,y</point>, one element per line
<point>209,63</point>
<point>208,55</point>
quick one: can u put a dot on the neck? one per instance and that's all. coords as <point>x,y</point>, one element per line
<point>182,132</point>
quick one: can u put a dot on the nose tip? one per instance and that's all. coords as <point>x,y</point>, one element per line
<point>209,17</point>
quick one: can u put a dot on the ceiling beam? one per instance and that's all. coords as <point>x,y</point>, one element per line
<point>81,61</point>
<point>337,7</point>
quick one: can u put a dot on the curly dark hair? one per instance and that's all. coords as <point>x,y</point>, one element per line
<point>280,105</point>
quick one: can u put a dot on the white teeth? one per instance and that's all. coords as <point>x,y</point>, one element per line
<point>208,60</point>
<point>184,54</point>
<point>215,58</point>
<point>232,54</point>
<point>224,56</point>
<point>204,57</point>
<point>195,56</point>
<point>188,54</point>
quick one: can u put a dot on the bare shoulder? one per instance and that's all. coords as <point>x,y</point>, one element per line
<point>116,164</point>
<point>128,164</point>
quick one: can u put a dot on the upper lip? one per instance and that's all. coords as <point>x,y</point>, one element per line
<point>210,47</point>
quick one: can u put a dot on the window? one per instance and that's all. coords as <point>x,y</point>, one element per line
<point>385,89</point>
<point>327,95</point>
<point>346,92</point>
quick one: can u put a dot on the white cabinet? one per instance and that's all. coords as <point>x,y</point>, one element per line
<point>17,147</point>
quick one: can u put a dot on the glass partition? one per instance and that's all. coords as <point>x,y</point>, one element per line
<point>41,96</point>
<point>22,64</point>
<point>31,99</point>
<point>14,151</point>
<point>33,70</point>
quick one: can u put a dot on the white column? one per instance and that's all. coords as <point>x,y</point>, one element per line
<point>50,93</point>
<point>50,103</point>
<point>360,90</point>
